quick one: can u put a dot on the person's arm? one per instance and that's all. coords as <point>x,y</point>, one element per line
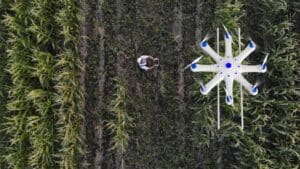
<point>152,67</point>
<point>151,57</point>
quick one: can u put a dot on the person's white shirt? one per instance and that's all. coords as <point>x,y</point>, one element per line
<point>142,61</point>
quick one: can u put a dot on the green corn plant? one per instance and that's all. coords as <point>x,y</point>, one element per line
<point>120,123</point>
<point>229,13</point>
<point>41,125</point>
<point>282,99</point>
<point>31,69</point>
<point>19,67</point>
<point>69,93</point>
<point>269,139</point>
<point>4,78</point>
<point>45,89</point>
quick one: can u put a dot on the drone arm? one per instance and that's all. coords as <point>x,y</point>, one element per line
<point>203,68</point>
<point>205,89</point>
<point>246,52</point>
<point>205,46</point>
<point>252,68</point>
<point>252,89</point>
<point>229,88</point>
<point>228,45</point>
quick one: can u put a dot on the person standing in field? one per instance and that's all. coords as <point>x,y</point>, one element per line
<point>144,62</point>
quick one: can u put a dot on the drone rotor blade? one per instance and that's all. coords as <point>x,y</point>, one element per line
<point>266,58</point>
<point>195,61</point>
<point>225,28</point>
<point>187,66</point>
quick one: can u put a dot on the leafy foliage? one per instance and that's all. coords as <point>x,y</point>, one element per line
<point>154,119</point>
<point>281,100</point>
<point>4,82</point>
<point>43,123</point>
<point>121,122</point>
<point>69,93</point>
<point>20,69</point>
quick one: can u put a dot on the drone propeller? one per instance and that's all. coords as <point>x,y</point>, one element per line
<point>195,61</point>
<point>229,99</point>
<point>202,87</point>
<point>227,35</point>
<point>266,58</point>
<point>258,83</point>
<point>225,28</point>
<point>254,89</point>
<point>264,64</point>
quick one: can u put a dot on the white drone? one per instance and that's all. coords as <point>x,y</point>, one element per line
<point>228,68</point>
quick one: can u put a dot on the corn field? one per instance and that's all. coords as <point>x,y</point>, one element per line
<point>72,95</point>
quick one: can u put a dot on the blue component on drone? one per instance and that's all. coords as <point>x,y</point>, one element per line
<point>204,43</point>
<point>202,88</point>
<point>264,66</point>
<point>251,44</point>
<point>228,65</point>
<point>227,35</point>
<point>254,89</point>
<point>194,66</point>
<point>228,98</point>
